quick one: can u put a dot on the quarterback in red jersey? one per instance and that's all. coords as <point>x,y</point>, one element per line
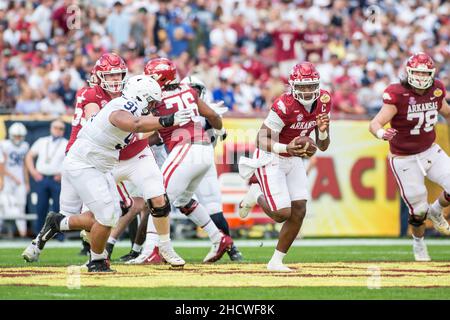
<point>277,162</point>
<point>190,153</point>
<point>412,108</point>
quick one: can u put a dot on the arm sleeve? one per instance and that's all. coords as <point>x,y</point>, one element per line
<point>274,122</point>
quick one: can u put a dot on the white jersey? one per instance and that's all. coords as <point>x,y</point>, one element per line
<point>15,155</point>
<point>99,141</point>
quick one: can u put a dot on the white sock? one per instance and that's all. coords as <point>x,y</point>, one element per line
<point>417,239</point>
<point>436,206</point>
<point>64,224</point>
<point>164,240</point>
<point>136,247</point>
<point>96,256</point>
<point>202,219</point>
<point>212,231</point>
<point>112,240</point>
<point>278,256</point>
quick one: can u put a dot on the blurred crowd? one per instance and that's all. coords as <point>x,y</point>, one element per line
<point>242,49</point>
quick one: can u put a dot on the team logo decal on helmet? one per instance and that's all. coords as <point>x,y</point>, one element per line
<point>162,70</point>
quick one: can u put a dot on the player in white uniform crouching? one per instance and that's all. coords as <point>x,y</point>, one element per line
<point>87,176</point>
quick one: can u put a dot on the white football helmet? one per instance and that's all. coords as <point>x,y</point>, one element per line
<point>144,90</point>
<point>17,132</point>
<point>195,83</point>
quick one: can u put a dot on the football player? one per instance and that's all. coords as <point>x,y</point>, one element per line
<point>277,160</point>
<point>412,108</point>
<point>16,181</point>
<point>208,191</point>
<point>190,152</point>
<point>87,177</point>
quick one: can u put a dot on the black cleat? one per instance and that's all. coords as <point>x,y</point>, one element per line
<point>235,254</point>
<point>86,248</point>
<point>109,248</point>
<point>130,255</point>
<point>99,266</point>
<point>50,228</point>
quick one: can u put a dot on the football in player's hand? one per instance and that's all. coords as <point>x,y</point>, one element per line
<point>308,144</point>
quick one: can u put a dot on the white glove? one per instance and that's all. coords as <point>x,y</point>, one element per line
<point>222,133</point>
<point>182,117</point>
<point>218,107</point>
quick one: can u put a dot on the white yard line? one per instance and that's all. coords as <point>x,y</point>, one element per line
<point>248,243</point>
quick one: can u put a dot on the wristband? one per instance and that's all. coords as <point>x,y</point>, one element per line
<point>380,133</point>
<point>167,121</point>
<point>279,147</point>
<point>323,135</point>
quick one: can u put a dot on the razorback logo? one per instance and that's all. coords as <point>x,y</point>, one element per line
<point>161,66</point>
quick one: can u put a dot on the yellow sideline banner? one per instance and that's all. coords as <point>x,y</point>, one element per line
<point>352,190</point>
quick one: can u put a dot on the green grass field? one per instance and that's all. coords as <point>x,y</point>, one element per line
<point>321,273</point>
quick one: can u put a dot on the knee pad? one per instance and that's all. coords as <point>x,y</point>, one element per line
<point>420,215</point>
<point>159,212</point>
<point>187,209</point>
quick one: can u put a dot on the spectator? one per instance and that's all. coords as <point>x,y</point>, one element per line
<point>314,38</point>
<point>65,92</point>
<point>49,153</point>
<point>223,36</point>
<point>52,104</point>
<point>41,22</point>
<point>225,94</point>
<point>139,31</point>
<point>179,34</point>
<point>118,25</point>
<point>346,101</point>
<point>28,102</point>
<point>284,39</point>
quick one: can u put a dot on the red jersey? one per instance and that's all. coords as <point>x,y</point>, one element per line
<point>85,96</point>
<point>173,101</point>
<point>314,37</point>
<point>415,118</point>
<point>285,44</point>
<point>133,148</point>
<point>297,120</point>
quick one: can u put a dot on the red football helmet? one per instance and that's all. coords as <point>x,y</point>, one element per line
<point>423,64</point>
<point>304,81</point>
<point>162,70</point>
<point>108,64</point>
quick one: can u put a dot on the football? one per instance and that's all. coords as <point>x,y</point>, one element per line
<point>307,143</point>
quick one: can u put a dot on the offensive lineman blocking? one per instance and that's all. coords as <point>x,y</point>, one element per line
<point>87,174</point>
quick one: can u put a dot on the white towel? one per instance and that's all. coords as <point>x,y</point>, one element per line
<point>247,166</point>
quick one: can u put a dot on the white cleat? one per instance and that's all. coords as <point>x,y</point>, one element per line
<point>147,257</point>
<point>420,251</point>
<point>168,253</point>
<point>278,267</point>
<point>31,253</point>
<point>249,201</point>
<point>439,222</point>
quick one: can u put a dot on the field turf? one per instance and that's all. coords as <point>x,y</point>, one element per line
<point>326,272</point>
